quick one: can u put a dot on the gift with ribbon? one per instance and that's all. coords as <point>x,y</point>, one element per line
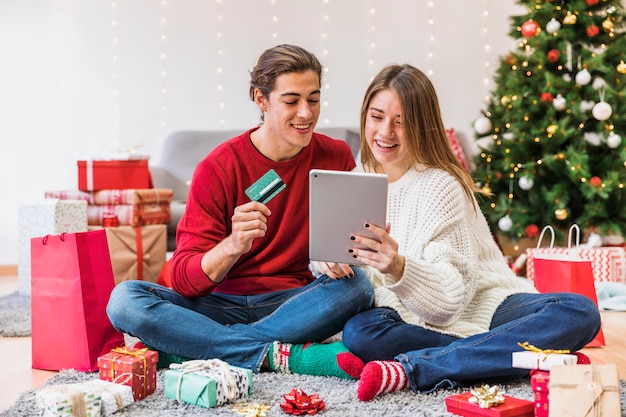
<point>585,391</point>
<point>137,252</point>
<point>539,382</point>
<point>114,397</point>
<point>488,401</point>
<point>130,366</point>
<point>206,383</point>
<point>134,207</point>
<point>112,174</point>
<point>544,359</point>
<point>77,400</point>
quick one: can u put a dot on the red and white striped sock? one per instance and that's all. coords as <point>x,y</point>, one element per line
<point>381,377</point>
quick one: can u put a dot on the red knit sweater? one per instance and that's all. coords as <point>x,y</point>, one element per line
<point>275,262</point>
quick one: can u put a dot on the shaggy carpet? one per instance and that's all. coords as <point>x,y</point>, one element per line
<point>15,315</point>
<point>268,389</point>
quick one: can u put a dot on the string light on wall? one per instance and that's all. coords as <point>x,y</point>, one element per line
<point>163,58</point>
<point>219,70</point>
<point>372,44</point>
<point>115,125</point>
<point>487,49</point>
<point>325,20</point>
<point>431,36</point>
<point>274,19</point>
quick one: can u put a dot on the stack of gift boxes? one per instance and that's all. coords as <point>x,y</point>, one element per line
<point>120,197</point>
<point>128,375</point>
<point>562,383</point>
<point>117,193</point>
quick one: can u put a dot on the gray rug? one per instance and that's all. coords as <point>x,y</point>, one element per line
<point>268,389</point>
<point>15,315</point>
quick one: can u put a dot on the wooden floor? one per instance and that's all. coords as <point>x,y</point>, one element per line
<point>16,374</point>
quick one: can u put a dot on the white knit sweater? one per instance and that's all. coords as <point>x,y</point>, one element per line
<point>455,275</point>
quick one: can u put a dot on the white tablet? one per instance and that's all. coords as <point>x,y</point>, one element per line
<point>340,203</point>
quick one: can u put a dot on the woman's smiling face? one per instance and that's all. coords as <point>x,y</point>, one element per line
<point>384,132</point>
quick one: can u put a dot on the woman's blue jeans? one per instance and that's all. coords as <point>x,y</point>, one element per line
<point>433,360</point>
<point>234,328</point>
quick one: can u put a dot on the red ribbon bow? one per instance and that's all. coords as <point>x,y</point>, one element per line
<point>297,403</point>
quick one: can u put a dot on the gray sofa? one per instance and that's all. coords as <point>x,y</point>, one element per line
<point>183,150</point>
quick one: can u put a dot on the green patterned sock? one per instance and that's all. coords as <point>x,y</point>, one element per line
<point>164,358</point>
<point>321,359</point>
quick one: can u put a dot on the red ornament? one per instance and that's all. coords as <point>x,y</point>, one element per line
<point>593,30</point>
<point>297,403</point>
<point>510,59</point>
<point>553,55</point>
<point>592,2</point>
<point>595,181</point>
<point>546,97</point>
<point>529,28</point>
<point>531,230</point>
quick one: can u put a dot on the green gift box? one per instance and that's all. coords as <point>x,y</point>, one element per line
<point>204,387</point>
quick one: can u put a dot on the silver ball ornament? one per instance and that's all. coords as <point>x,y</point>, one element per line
<point>614,140</point>
<point>559,102</point>
<point>602,111</point>
<point>505,223</point>
<point>526,183</point>
<point>483,125</point>
<point>583,77</point>
<point>553,25</point>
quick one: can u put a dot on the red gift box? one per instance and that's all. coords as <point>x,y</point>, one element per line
<point>539,381</point>
<point>511,407</point>
<point>113,174</point>
<point>133,367</point>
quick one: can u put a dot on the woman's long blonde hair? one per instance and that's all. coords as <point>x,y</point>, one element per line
<point>424,132</point>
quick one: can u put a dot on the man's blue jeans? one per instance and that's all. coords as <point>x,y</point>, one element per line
<point>433,360</point>
<point>234,328</point>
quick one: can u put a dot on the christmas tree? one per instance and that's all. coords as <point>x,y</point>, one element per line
<point>551,136</point>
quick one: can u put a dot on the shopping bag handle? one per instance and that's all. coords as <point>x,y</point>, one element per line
<point>543,231</point>
<point>573,228</point>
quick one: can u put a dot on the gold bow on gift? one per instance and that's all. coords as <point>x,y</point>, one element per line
<point>486,396</point>
<point>528,346</point>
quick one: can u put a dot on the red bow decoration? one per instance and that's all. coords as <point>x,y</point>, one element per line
<point>297,403</point>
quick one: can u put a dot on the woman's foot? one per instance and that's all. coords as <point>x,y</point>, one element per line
<point>381,377</point>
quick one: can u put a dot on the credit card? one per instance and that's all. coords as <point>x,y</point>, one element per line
<point>266,187</point>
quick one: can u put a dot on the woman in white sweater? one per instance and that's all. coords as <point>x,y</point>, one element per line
<point>449,311</point>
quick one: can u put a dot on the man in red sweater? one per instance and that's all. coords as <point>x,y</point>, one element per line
<point>242,289</point>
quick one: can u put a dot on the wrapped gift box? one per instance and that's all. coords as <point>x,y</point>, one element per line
<point>511,407</point>
<point>585,390</point>
<point>133,367</point>
<point>542,361</point>
<point>69,399</point>
<point>137,252</point>
<point>41,218</point>
<point>114,398</point>
<point>115,196</point>
<point>113,174</point>
<point>205,388</point>
<point>130,214</point>
<point>539,381</point>
<point>608,263</point>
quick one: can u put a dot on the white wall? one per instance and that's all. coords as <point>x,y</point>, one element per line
<point>79,78</point>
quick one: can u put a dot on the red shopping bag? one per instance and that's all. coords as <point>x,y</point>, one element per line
<point>566,272</point>
<point>71,281</point>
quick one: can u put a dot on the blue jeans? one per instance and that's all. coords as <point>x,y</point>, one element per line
<point>234,328</point>
<point>433,360</point>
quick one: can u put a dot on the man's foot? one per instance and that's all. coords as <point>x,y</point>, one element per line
<point>321,359</point>
<point>381,377</point>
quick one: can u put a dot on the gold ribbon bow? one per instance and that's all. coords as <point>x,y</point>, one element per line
<point>528,346</point>
<point>251,410</point>
<point>486,396</point>
<point>137,353</point>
